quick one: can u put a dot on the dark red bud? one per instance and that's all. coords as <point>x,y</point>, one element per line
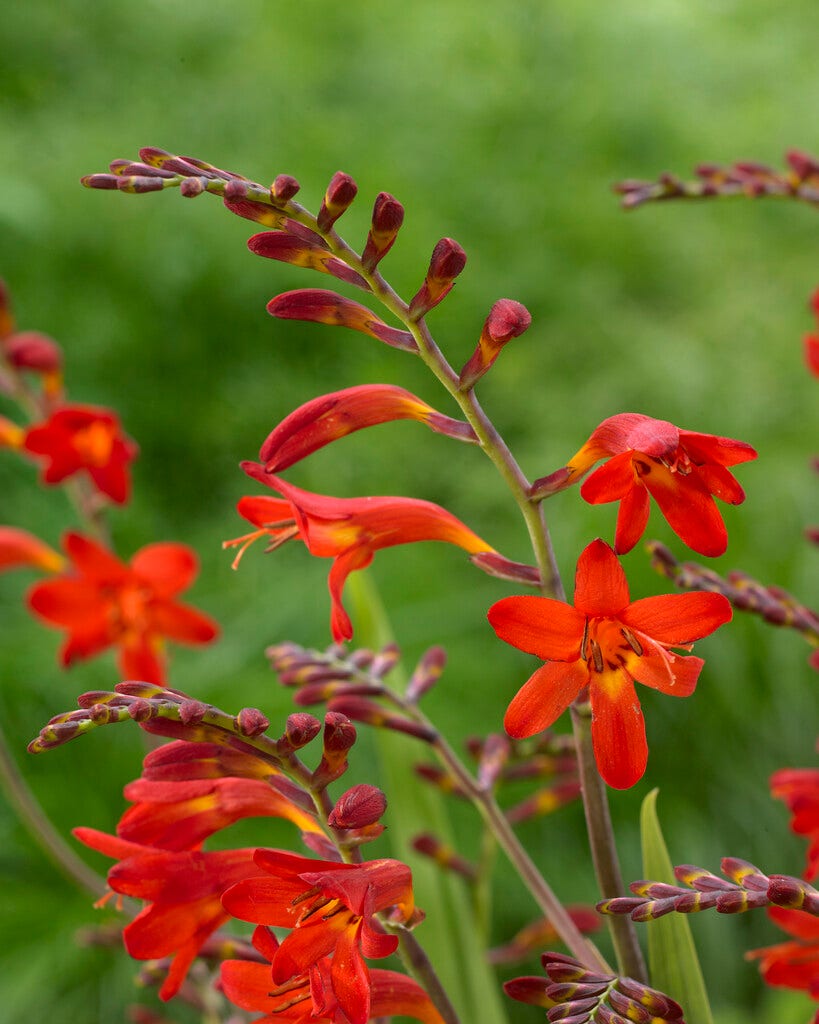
<point>803,165</point>
<point>105,181</point>
<point>301,729</point>
<point>507,319</point>
<point>339,195</point>
<point>359,807</point>
<point>388,214</point>
<point>339,733</point>
<point>191,712</point>
<point>251,722</point>
<point>137,184</point>
<point>141,710</point>
<point>447,261</point>
<point>284,188</point>
<point>236,190</point>
<point>190,188</point>
<point>30,350</point>
<point>427,673</point>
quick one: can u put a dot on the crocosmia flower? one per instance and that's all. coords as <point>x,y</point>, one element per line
<point>309,998</point>
<point>605,642</point>
<point>330,907</point>
<point>182,890</point>
<point>682,470</point>
<point>102,602</point>
<point>799,789</point>
<point>348,530</point>
<point>84,438</point>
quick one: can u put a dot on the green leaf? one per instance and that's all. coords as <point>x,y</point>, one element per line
<point>451,934</point>
<point>673,963</point>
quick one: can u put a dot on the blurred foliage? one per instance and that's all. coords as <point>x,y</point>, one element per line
<point>504,128</point>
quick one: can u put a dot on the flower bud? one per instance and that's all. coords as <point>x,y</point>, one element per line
<point>284,188</point>
<point>339,195</point>
<point>427,673</point>
<point>388,216</point>
<point>30,350</point>
<point>251,722</point>
<point>191,712</point>
<point>447,262</point>
<point>359,807</point>
<point>507,319</point>
<point>300,730</point>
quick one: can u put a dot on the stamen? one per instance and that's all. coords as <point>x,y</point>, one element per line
<point>337,910</point>
<point>306,895</point>
<point>597,655</point>
<point>291,1002</point>
<point>631,640</point>
<point>318,905</point>
<point>283,537</point>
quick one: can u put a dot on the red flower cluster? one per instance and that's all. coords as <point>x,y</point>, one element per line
<point>605,643</point>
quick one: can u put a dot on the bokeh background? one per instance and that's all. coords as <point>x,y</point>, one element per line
<point>504,127</point>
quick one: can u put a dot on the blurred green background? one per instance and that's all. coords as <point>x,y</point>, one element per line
<point>503,127</point>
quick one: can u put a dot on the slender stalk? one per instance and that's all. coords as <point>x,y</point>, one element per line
<point>418,964</point>
<point>40,827</point>
<point>603,850</point>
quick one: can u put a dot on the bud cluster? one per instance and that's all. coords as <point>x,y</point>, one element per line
<point>799,180</point>
<point>745,887</point>
<point>571,992</point>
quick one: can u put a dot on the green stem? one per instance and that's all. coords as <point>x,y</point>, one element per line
<point>40,827</point>
<point>418,964</point>
<point>603,849</point>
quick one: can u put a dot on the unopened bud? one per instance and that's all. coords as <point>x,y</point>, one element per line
<point>190,188</point>
<point>140,710</point>
<point>339,736</point>
<point>300,730</point>
<point>191,712</point>
<point>30,350</point>
<point>447,262</point>
<point>507,319</point>
<point>339,195</point>
<point>236,190</point>
<point>284,188</point>
<point>388,216</point>
<point>386,660</point>
<point>359,807</point>
<point>251,722</point>
<point>444,856</point>
<point>363,710</point>
<point>427,673</point>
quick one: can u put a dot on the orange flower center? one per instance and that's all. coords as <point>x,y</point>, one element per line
<point>94,443</point>
<point>608,645</point>
<point>312,901</point>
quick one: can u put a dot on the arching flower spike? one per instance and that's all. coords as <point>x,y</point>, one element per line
<point>607,643</point>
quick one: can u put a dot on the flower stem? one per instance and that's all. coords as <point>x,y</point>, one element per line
<point>603,849</point>
<point>418,964</point>
<point>40,827</point>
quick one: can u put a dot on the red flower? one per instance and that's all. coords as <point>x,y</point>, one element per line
<point>812,340</point>
<point>182,889</point>
<point>348,530</point>
<point>799,788</point>
<point>19,548</point>
<point>84,438</point>
<point>792,964</point>
<point>682,470</point>
<point>606,643</point>
<point>309,998</point>
<point>330,907</point>
<point>103,602</point>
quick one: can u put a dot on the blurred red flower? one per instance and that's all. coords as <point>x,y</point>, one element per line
<point>606,643</point>
<point>102,602</point>
<point>799,789</point>
<point>84,438</point>
<point>793,964</point>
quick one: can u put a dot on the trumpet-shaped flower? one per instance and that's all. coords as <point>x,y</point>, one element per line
<point>182,889</point>
<point>330,907</point>
<point>84,438</point>
<point>348,530</point>
<point>309,998</point>
<point>102,602</point>
<point>605,642</point>
<point>682,470</point>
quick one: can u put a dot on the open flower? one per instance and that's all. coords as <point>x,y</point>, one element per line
<point>348,530</point>
<point>793,964</point>
<point>799,789</point>
<point>309,998</point>
<point>606,643</point>
<point>683,471</point>
<point>84,438</point>
<point>330,907</point>
<point>102,602</point>
<point>182,889</point>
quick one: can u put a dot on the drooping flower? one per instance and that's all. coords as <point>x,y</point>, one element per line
<point>682,470</point>
<point>19,548</point>
<point>102,602</point>
<point>799,789</point>
<point>605,642</point>
<point>182,889</point>
<point>309,998</point>
<point>330,907</point>
<point>793,964</point>
<point>84,438</point>
<point>348,530</point>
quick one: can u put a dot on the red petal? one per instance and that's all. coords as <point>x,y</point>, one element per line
<point>550,629</point>
<point>705,448</point>
<point>618,730</point>
<point>71,603</point>
<point>632,431</point>
<point>167,568</point>
<point>689,509</point>
<point>21,548</point>
<point>544,697</point>
<point>306,944</point>
<point>395,995</point>
<point>722,484</point>
<point>678,619</point>
<point>350,978</point>
<point>140,660</point>
<point>344,564</point>
<point>796,923</point>
<point>262,510</point>
<point>600,587</point>
<point>182,623</point>
<point>264,900</point>
<point>92,559</point>
<point>318,305</point>
<point>631,519</point>
<point>661,670</point>
<point>247,985</point>
<point>610,482</point>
